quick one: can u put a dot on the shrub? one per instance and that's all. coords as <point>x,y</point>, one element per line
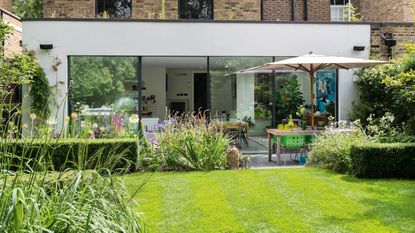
<point>378,160</point>
<point>332,149</point>
<point>72,153</point>
<point>389,88</point>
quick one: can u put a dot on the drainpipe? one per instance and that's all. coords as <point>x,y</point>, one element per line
<point>305,10</point>
<point>293,10</point>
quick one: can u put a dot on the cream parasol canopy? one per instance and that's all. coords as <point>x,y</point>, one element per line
<point>311,63</point>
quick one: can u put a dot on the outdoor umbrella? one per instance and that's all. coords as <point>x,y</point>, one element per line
<point>311,63</point>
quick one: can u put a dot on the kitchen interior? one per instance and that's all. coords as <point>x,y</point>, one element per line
<point>170,85</point>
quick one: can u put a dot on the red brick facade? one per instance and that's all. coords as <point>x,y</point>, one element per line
<point>12,42</point>
<point>318,10</point>
<point>6,5</point>
<point>69,9</point>
<point>403,33</point>
<point>385,10</point>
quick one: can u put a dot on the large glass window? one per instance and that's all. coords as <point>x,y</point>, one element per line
<point>103,92</point>
<point>237,95</point>
<point>196,9</point>
<point>113,8</point>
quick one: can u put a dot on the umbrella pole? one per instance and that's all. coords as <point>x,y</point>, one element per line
<point>312,99</point>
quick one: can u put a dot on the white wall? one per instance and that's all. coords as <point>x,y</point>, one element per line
<point>180,82</point>
<point>245,95</point>
<point>155,82</point>
<point>191,39</point>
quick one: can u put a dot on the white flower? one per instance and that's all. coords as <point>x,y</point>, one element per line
<point>33,116</point>
<point>133,119</point>
<point>51,121</point>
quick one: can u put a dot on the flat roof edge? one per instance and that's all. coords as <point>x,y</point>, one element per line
<point>194,21</point>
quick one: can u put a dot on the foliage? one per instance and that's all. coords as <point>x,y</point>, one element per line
<point>100,80</point>
<point>388,88</point>
<point>23,69</point>
<point>40,93</point>
<point>33,199</point>
<point>332,149</point>
<point>80,154</point>
<point>351,13</point>
<point>75,202</point>
<point>28,8</point>
<point>378,160</point>
<point>5,30</point>
<point>289,96</point>
<point>186,143</point>
<point>274,200</point>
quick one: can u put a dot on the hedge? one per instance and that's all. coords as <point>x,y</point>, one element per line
<point>74,153</point>
<point>384,160</point>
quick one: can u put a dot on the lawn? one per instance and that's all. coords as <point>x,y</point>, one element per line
<point>278,200</point>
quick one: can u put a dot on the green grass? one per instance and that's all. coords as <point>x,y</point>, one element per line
<point>280,200</point>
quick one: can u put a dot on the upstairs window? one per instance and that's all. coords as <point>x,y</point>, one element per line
<point>113,8</point>
<point>339,2</point>
<point>339,10</point>
<point>196,9</point>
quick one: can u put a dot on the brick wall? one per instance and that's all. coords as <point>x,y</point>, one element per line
<point>382,10</point>
<point>408,10</point>
<point>281,10</point>
<point>319,10</point>
<point>237,9</point>
<point>69,9</point>
<point>12,42</point>
<point>152,9</point>
<point>6,5</point>
<point>404,33</point>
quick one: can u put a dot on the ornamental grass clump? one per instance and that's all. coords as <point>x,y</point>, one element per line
<point>35,196</point>
<point>187,142</point>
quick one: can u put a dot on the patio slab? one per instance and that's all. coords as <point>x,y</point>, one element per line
<point>260,161</point>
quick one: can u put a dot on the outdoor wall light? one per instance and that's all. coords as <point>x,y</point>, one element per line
<point>389,42</point>
<point>46,46</point>
<point>359,48</point>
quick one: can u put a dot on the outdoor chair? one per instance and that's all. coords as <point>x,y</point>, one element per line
<point>293,144</point>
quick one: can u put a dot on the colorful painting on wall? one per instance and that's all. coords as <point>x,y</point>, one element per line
<point>326,91</point>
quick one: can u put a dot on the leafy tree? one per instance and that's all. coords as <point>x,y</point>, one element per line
<point>28,8</point>
<point>389,88</point>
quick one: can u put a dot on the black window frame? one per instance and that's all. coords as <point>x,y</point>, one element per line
<point>207,19</point>
<point>345,2</point>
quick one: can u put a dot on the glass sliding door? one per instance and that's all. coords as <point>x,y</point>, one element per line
<point>103,92</point>
<point>243,96</point>
<point>293,96</point>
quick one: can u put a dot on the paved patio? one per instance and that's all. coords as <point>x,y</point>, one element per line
<point>258,150</point>
<point>260,161</point>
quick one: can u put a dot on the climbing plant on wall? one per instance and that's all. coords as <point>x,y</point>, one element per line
<point>23,69</point>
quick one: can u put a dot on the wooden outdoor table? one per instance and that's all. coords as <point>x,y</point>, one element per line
<point>243,124</point>
<point>279,133</point>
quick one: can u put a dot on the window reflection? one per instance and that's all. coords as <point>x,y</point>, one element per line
<point>114,8</point>
<point>196,9</point>
<point>103,92</point>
